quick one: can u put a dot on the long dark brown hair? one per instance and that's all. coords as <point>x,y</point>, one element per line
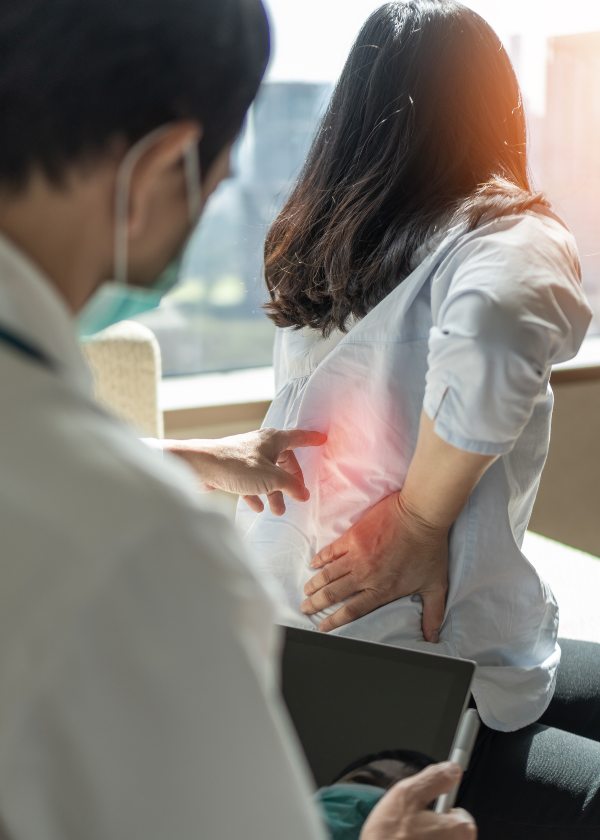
<point>425,124</point>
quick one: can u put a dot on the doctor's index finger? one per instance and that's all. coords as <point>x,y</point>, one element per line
<point>296,438</point>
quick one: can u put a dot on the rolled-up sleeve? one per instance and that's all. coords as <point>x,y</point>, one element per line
<point>513,306</point>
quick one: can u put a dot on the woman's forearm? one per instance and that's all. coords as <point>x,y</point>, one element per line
<point>440,478</point>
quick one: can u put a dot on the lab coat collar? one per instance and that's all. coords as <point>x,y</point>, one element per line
<point>31,307</point>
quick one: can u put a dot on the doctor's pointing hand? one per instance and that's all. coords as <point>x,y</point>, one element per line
<point>252,465</point>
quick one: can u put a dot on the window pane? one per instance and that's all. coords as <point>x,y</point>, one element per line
<point>567,142</point>
<point>214,319</point>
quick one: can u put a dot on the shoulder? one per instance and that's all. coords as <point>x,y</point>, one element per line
<point>517,243</point>
<point>516,271</point>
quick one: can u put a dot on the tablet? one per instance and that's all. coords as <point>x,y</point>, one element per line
<point>349,699</point>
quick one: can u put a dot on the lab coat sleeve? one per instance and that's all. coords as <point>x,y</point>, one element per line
<point>160,717</point>
<point>514,307</point>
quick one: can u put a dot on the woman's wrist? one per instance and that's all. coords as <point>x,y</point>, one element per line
<point>440,478</point>
<point>423,518</point>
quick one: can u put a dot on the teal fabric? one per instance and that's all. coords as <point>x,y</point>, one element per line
<point>114,302</point>
<point>346,807</point>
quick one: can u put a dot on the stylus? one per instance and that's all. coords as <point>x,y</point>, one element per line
<point>461,755</point>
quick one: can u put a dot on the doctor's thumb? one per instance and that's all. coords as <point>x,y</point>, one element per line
<point>434,605</point>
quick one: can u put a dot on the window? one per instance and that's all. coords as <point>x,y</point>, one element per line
<point>214,319</point>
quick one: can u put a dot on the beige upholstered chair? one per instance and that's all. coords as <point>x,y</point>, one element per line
<point>126,365</point>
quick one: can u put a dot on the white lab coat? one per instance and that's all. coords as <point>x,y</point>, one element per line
<point>138,694</point>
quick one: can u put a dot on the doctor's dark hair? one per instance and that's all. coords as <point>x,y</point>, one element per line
<point>365,770</point>
<point>76,75</point>
<point>425,125</point>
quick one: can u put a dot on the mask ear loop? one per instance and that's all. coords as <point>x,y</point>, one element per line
<point>193,176</point>
<point>122,191</point>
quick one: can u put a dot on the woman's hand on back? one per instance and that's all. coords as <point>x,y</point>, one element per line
<point>390,553</point>
<point>402,813</point>
<point>400,546</point>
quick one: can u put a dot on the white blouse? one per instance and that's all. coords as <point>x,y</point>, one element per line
<point>470,337</point>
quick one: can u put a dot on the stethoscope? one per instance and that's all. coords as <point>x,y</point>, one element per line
<point>25,348</point>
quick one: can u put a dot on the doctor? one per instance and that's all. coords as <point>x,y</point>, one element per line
<point>137,678</point>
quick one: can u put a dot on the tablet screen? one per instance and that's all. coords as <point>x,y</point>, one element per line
<point>349,698</point>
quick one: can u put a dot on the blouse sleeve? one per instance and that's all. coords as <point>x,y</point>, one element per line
<point>514,306</point>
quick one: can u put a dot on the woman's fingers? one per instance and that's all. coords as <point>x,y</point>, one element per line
<point>355,607</point>
<point>326,555</point>
<point>329,595</point>
<point>434,607</point>
<point>334,570</point>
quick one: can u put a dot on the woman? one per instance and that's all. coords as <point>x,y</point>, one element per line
<point>423,291</point>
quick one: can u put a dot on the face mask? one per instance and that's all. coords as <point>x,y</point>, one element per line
<point>345,807</point>
<point>117,300</point>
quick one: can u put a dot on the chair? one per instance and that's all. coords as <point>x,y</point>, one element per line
<point>126,366</point>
